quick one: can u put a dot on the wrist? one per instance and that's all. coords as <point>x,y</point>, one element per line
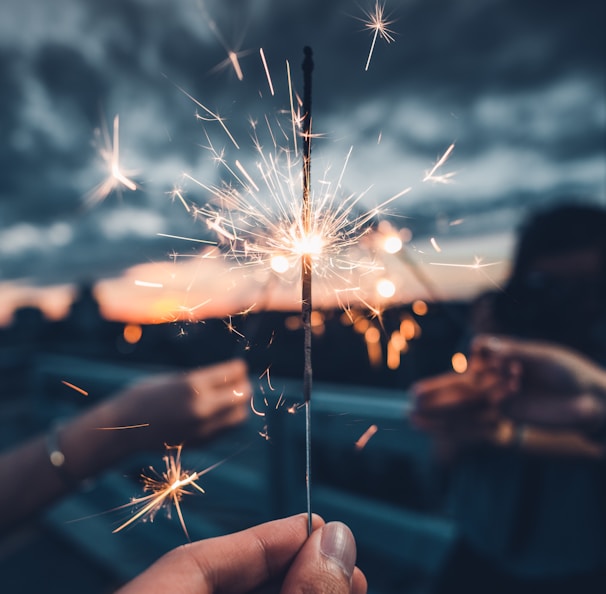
<point>88,447</point>
<point>57,458</point>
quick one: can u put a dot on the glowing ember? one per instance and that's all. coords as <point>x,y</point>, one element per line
<point>435,245</point>
<point>365,437</point>
<point>74,387</point>
<point>122,427</point>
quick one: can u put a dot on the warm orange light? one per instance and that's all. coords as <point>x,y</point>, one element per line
<point>164,308</point>
<point>293,323</point>
<point>317,323</point>
<point>74,387</point>
<point>419,307</point>
<point>408,328</point>
<point>398,341</point>
<point>317,318</point>
<point>365,437</point>
<point>132,333</point>
<point>372,336</point>
<point>393,355</point>
<point>361,325</point>
<point>459,362</point>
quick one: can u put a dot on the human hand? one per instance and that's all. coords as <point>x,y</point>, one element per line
<point>458,409</point>
<point>187,406</point>
<point>512,389</point>
<point>164,409</point>
<point>274,557</point>
<point>543,383</point>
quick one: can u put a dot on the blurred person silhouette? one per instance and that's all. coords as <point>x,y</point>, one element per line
<point>191,406</point>
<point>524,428</point>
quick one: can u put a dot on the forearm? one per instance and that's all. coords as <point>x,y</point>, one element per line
<point>545,441</point>
<point>30,481</point>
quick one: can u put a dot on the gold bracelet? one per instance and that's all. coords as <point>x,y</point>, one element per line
<point>57,457</point>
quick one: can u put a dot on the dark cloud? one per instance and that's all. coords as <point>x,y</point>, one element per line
<point>518,85</point>
<point>69,78</point>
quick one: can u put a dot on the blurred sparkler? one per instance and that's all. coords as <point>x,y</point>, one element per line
<point>233,56</point>
<point>442,178</point>
<point>109,151</point>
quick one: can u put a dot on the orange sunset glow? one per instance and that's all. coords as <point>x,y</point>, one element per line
<point>212,287</point>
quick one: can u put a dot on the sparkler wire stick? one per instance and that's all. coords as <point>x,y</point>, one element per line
<point>306,272</point>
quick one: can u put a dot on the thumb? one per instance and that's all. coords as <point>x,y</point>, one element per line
<point>326,564</point>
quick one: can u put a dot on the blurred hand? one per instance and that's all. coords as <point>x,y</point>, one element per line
<point>274,557</point>
<point>458,409</point>
<point>544,395</point>
<point>173,408</point>
<point>190,406</point>
<point>543,383</point>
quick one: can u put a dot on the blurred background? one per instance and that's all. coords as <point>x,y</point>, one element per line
<point>103,278</point>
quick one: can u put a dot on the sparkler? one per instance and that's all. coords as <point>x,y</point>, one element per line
<point>117,178</point>
<point>306,274</point>
<point>258,215</point>
<point>379,25</point>
<point>167,487</point>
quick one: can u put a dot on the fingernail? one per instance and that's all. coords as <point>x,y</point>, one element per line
<point>339,545</point>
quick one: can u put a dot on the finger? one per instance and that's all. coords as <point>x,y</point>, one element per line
<point>438,382</point>
<point>448,390</point>
<point>209,426</point>
<point>211,398</point>
<point>450,402</point>
<point>254,556</point>
<point>227,372</point>
<point>221,374</point>
<point>505,348</point>
<point>326,564</point>
<point>237,563</point>
<point>446,417</point>
<point>584,411</point>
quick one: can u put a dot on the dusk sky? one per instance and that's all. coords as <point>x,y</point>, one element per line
<point>518,86</point>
